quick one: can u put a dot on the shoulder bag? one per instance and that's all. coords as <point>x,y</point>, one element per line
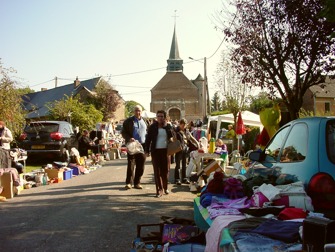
<point>174,145</point>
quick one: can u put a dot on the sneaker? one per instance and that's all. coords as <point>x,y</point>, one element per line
<point>186,181</point>
<point>167,191</point>
<point>138,186</point>
<point>128,186</point>
<point>178,182</point>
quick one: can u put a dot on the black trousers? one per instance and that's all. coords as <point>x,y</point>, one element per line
<point>160,163</point>
<point>134,175</point>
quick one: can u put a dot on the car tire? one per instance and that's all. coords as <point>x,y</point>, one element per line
<point>65,156</point>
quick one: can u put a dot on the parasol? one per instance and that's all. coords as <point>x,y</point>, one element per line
<point>240,129</point>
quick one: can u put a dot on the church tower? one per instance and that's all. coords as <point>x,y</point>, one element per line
<point>175,93</point>
<point>175,63</point>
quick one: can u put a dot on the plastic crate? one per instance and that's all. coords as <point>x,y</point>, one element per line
<point>67,174</point>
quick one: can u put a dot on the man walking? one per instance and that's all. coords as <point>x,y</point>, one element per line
<point>135,128</point>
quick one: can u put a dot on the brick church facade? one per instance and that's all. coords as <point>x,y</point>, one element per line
<point>176,94</point>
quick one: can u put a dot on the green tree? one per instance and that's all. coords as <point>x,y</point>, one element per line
<point>130,107</point>
<point>26,90</point>
<point>70,109</point>
<point>11,111</point>
<point>282,46</point>
<point>106,99</point>
<point>259,102</point>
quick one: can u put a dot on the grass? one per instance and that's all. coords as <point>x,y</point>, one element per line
<point>30,168</point>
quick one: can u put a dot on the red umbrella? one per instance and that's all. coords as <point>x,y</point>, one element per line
<point>240,129</point>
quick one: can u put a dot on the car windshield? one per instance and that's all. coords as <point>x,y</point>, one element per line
<point>41,127</point>
<point>288,146</point>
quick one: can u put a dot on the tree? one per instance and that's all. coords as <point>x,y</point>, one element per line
<point>11,111</point>
<point>260,102</point>
<point>106,99</point>
<point>130,107</point>
<point>26,90</point>
<point>70,109</point>
<point>216,102</point>
<point>232,88</point>
<point>281,45</point>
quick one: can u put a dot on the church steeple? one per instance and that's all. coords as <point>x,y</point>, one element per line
<point>175,63</point>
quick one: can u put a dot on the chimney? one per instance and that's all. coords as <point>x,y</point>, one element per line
<point>44,89</point>
<point>76,82</point>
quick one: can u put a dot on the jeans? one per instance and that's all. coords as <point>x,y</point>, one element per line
<point>180,157</point>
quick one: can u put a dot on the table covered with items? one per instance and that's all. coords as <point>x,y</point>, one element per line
<point>260,213</point>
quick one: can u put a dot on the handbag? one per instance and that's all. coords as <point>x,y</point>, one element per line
<point>174,146</point>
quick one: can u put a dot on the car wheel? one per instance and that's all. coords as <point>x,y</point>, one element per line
<point>65,156</point>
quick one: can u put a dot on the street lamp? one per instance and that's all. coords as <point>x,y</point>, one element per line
<point>208,103</point>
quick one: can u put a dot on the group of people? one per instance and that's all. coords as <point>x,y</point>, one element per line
<point>154,139</point>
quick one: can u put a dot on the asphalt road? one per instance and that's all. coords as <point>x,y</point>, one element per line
<point>91,212</point>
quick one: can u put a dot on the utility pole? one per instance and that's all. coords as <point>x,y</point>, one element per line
<point>56,79</point>
<point>208,103</point>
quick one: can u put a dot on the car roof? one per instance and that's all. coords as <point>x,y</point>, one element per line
<point>59,122</point>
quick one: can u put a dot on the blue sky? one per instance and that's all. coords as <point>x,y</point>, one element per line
<point>121,40</point>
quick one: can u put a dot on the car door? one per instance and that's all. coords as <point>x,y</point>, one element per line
<point>288,155</point>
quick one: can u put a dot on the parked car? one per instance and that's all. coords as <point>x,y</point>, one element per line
<point>300,149</point>
<point>49,139</point>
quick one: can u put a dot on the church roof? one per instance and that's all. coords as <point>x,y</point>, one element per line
<point>174,51</point>
<point>199,78</point>
<point>174,81</point>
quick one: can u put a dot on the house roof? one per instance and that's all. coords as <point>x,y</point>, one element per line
<point>325,91</point>
<point>36,102</point>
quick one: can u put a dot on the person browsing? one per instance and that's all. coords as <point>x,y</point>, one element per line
<point>6,136</point>
<point>159,134</point>
<point>135,129</point>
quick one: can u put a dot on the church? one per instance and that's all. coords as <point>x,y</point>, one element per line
<point>176,94</point>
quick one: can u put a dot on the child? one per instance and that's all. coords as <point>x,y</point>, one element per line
<point>221,149</point>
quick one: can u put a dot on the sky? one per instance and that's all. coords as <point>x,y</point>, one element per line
<point>125,41</point>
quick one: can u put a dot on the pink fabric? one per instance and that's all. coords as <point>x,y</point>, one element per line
<point>213,234</point>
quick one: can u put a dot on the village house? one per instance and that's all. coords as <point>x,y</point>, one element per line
<point>36,103</point>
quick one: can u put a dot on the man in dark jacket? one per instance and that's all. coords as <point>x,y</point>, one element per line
<point>135,128</point>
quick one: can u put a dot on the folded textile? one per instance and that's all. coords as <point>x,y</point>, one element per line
<point>291,213</point>
<point>206,198</point>
<point>225,237</point>
<point>253,242</point>
<point>286,231</point>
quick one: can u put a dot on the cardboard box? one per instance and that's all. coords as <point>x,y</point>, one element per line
<point>55,173</point>
<point>67,174</point>
<point>7,184</point>
<point>211,167</point>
